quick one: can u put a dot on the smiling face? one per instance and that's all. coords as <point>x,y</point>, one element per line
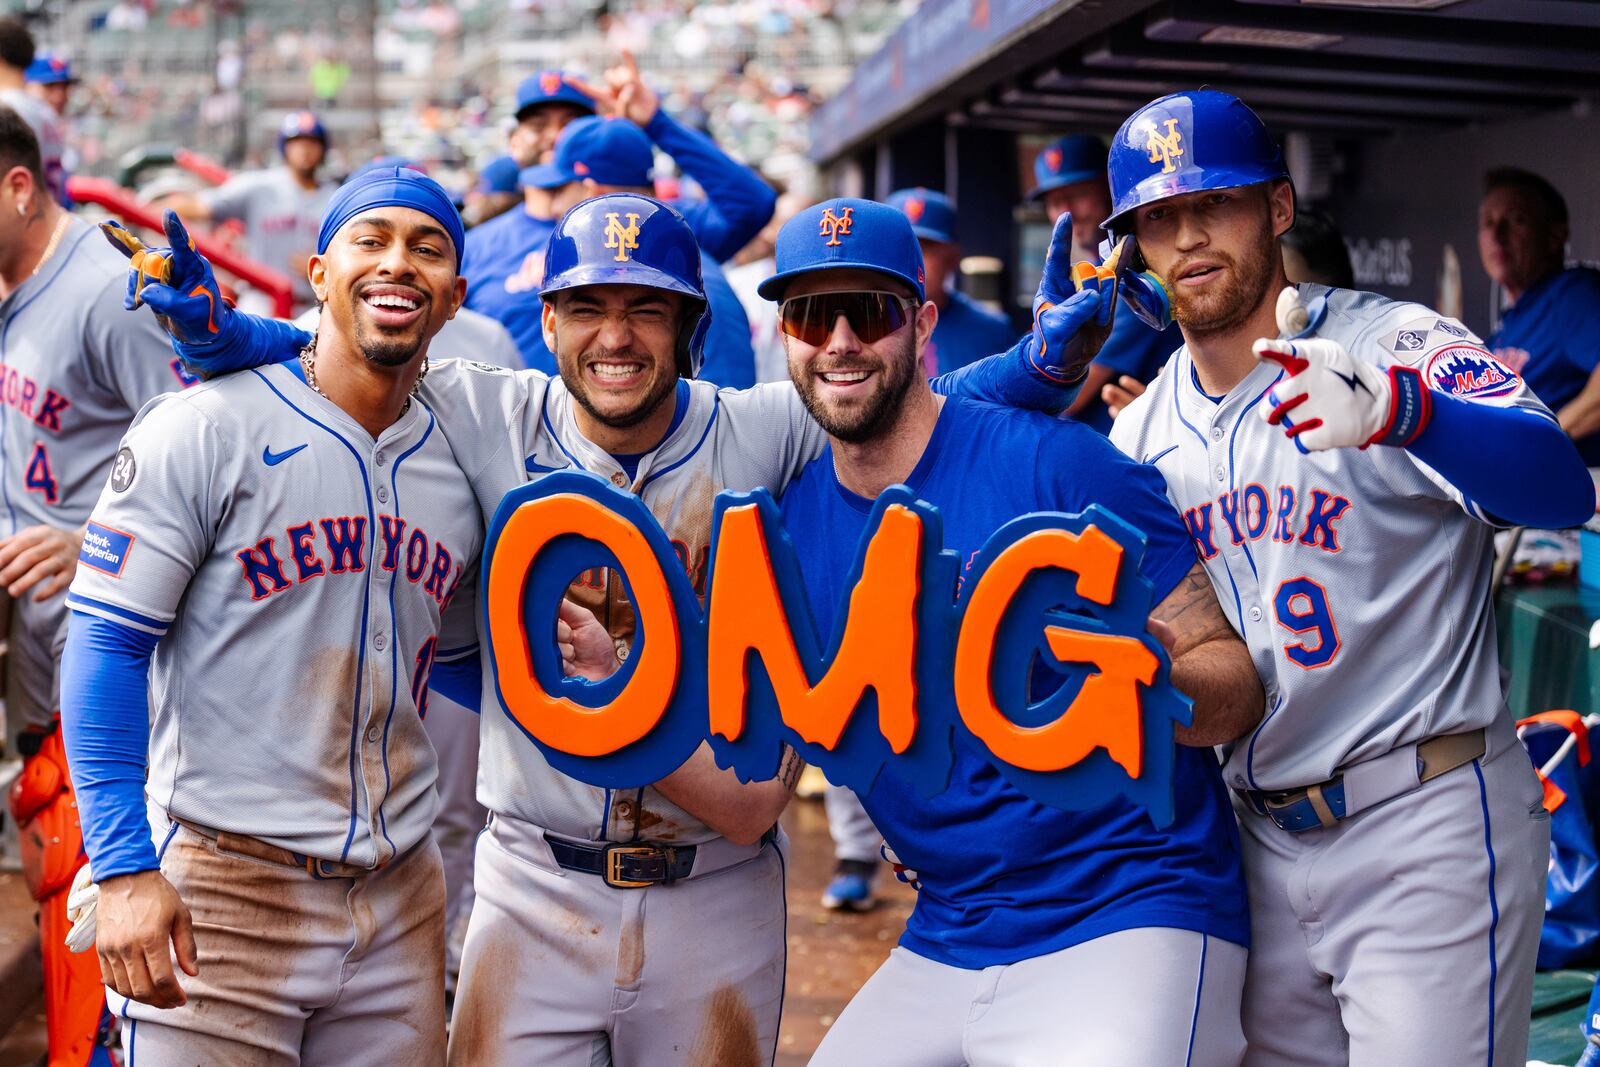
<point>616,347</point>
<point>855,389</point>
<point>389,278</point>
<point>1217,251</point>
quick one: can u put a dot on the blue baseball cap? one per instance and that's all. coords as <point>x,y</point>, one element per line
<point>499,175</point>
<point>846,232</point>
<point>48,70</point>
<point>551,87</point>
<point>1077,157</point>
<point>609,151</point>
<point>932,214</point>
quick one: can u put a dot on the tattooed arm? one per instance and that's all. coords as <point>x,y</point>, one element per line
<point>1210,663</point>
<point>739,811</point>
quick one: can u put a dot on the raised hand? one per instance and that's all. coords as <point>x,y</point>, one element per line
<point>1072,309</point>
<point>176,281</point>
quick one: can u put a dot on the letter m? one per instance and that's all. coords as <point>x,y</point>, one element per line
<point>877,650</point>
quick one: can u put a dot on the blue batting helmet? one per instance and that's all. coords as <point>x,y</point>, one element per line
<point>300,124</point>
<point>1186,143</point>
<point>630,239</point>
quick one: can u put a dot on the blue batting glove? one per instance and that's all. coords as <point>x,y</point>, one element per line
<point>175,281</point>
<point>1072,309</point>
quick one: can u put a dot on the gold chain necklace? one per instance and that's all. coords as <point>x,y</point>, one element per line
<point>55,239</point>
<point>308,364</point>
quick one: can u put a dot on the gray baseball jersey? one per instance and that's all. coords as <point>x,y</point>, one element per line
<point>299,573</point>
<point>725,440</point>
<point>1359,578</point>
<point>281,219</point>
<point>74,369</point>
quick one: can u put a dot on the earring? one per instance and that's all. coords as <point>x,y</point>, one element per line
<point>21,211</point>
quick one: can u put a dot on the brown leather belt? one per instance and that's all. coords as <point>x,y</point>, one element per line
<point>255,848</point>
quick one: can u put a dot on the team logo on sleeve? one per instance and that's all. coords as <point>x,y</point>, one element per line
<point>105,549</point>
<point>123,469</point>
<point>1470,372</point>
<point>1411,340</point>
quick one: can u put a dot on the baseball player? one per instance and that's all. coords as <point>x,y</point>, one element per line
<point>967,329</point>
<point>50,79</point>
<point>16,57</point>
<point>1070,178</point>
<point>496,191</point>
<point>505,257</point>
<point>272,569</point>
<point>636,962</point>
<point>76,370</point>
<point>1039,935</point>
<point>281,208</point>
<point>1340,460</point>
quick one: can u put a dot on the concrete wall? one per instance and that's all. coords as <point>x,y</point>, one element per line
<point>1403,200</point>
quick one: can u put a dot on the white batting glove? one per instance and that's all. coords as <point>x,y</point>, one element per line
<point>83,905</point>
<point>1337,400</point>
<point>901,871</point>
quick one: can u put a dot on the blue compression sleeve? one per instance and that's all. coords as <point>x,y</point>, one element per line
<point>105,723</point>
<point>246,341</point>
<point>1516,465</point>
<point>737,204</point>
<point>460,680</point>
<point>1008,379</point>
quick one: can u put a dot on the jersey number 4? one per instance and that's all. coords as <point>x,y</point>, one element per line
<point>39,478</point>
<point>1302,607</point>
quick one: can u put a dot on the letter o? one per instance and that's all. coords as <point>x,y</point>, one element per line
<point>558,721</point>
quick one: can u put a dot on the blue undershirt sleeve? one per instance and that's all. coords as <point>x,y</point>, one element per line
<point>737,204</point>
<point>460,680</point>
<point>1516,465</point>
<point>246,341</point>
<point>1008,379</point>
<point>105,724</point>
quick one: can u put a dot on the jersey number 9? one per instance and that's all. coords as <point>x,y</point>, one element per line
<point>1302,607</point>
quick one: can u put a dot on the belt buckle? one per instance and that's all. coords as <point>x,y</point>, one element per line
<point>614,854</point>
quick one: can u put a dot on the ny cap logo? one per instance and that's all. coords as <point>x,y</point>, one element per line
<point>915,206</point>
<point>1052,160</point>
<point>550,82</point>
<point>623,239</point>
<point>835,226</point>
<point>1166,149</point>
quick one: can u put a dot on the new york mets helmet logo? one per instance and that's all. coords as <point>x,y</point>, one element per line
<point>1052,160</point>
<point>915,206</point>
<point>1468,371</point>
<point>624,239</point>
<point>305,122</point>
<point>835,226</point>
<point>1167,148</point>
<point>550,82</point>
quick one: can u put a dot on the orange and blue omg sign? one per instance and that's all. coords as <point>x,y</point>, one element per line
<point>921,659</point>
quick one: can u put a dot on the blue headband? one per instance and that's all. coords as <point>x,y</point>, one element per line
<point>391,187</point>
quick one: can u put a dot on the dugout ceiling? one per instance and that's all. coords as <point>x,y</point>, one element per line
<point>1362,68</point>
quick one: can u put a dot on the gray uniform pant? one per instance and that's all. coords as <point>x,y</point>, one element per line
<point>854,836</point>
<point>300,970</point>
<point>1407,933</point>
<point>1148,997</point>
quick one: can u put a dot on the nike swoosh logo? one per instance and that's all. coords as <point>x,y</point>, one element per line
<point>272,459</point>
<point>1351,380</point>
<point>540,468</point>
